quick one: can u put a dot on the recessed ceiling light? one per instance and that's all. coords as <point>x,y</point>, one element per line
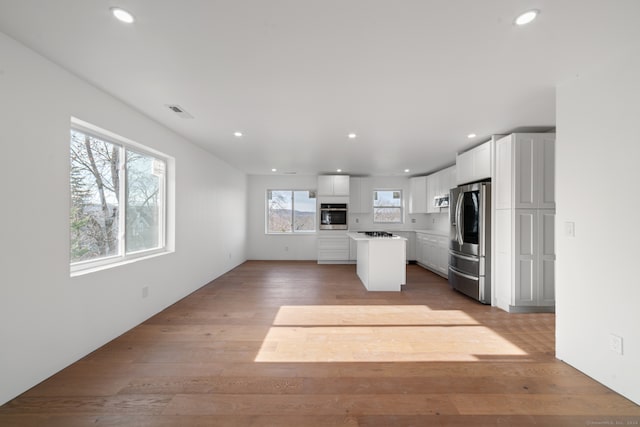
<point>407,171</point>
<point>122,15</point>
<point>238,134</point>
<point>274,170</point>
<point>526,17</point>
<point>338,170</point>
<point>471,135</point>
<point>352,136</point>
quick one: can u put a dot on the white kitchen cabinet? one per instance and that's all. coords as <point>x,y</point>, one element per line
<point>447,180</point>
<point>418,195</point>
<point>360,195</point>
<point>443,256</point>
<point>432,252</point>
<point>425,252</point>
<point>333,185</point>
<point>525,171</point>
<point>474,165</point>
<point>525,265</point>
<point>420,248</point>
<point>431,260</point>
<point>438,185</point>
<point>333,249</point>
<point>464,168</point>
<point>524,278</point>
<point>411,243</point>
<point>433,191</point>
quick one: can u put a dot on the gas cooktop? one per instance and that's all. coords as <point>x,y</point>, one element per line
<point>376,233</point>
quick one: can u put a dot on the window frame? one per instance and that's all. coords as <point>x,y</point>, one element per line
<point>293,232</point>
<point>125,145</point>
<point>374,207</point>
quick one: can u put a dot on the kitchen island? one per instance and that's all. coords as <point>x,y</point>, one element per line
<point>381,261</point>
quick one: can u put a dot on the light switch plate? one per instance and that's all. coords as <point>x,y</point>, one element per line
<point>570,229</point>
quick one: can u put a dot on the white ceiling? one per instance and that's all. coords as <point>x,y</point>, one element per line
<point>411,78</point>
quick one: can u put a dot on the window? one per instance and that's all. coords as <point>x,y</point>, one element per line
<point>291,211</point>
<point>387,206</point>
<point>117,200</point>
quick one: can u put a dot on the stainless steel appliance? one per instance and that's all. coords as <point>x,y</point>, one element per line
<point>333,216</point>
<point>470,240</point>
<point>441,201</point>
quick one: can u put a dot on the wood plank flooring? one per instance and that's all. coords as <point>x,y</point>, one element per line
<point>301,344</point>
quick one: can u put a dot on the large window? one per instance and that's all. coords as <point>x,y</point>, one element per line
<point>117,200</point>
<point>387,206</point>
<point>291,211</point>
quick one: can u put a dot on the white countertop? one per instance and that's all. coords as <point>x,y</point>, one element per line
<point>431,232</point>
<point>361,236</point>
<point>434,232</point>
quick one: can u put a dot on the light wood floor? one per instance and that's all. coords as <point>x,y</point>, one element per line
<point>301,344</point>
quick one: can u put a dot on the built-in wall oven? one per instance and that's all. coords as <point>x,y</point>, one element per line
<point>333,216</point>
<point>470,240</point>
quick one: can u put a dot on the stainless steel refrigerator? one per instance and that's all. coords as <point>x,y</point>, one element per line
<point>470,240</point>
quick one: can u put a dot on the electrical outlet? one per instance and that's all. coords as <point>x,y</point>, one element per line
<point>413,220</point>
<point>357,220</point>
<point>145,291</point>
<point>615,343</point>
<point>286,248</point>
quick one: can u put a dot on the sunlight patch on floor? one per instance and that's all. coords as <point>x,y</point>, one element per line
<point>404,315</point>
<point>380,334</point>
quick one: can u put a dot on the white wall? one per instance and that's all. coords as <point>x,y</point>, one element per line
<point>264,246</point>
<point>598,172</point>
<point>47,319</point>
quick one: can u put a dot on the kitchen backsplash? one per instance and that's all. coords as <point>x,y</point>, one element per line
<point>435,221</point>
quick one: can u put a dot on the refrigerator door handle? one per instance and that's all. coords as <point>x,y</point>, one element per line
<point>459,218</point>
<point>483,218</point>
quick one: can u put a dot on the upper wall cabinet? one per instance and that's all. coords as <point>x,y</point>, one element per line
<point>418,195</point>
<point>525,171</point>
<point>424,189</point>
<point>333,185</point>
<point>446,181</point>
<point>439,184</point>
<point>361,195</point>
<point>433,188</point>
<point>474,165</point>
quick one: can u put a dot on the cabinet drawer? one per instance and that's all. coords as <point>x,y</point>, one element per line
<point>333,248</point>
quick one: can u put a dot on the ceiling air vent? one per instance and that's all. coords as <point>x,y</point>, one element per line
<point>179,111</point>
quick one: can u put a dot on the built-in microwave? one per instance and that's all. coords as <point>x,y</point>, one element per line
<point>333,216</point>
<point>441,201</point>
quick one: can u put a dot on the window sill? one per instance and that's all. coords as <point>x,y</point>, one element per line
<point>88,270</point>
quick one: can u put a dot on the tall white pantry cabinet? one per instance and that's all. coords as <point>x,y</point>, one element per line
<point>524,220</point>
